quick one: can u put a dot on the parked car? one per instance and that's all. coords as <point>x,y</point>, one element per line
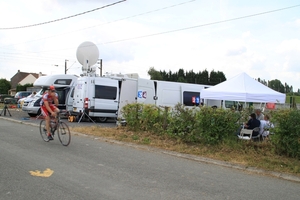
<point>21,95</point>
<point>28,99</point>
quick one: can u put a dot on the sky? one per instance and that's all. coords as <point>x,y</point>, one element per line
<point>261,38</point>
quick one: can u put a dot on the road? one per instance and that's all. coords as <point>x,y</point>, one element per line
<point>95,169</point>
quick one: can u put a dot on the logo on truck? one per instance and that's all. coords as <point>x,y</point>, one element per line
<point>142,94</point>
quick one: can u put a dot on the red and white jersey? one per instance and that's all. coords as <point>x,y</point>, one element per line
<point>49,98</point>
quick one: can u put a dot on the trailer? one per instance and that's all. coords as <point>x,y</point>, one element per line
<point>64,84</point>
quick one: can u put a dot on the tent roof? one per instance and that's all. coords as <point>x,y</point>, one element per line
<point>243,88</point>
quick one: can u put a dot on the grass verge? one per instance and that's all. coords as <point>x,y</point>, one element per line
<point>249,154</point>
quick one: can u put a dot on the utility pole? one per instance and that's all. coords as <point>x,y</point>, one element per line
<point>100,62</point>
<point>66,66</point>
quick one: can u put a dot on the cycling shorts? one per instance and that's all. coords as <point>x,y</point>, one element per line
<point>45,112</point>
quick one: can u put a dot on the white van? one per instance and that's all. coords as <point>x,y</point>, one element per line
<point>96,96</point>
<point>104,97</point>
<point>64,85</point>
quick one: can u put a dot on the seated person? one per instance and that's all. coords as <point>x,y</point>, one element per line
<point>265,125</point>
<point>253,123</point>
<point>259,114</point>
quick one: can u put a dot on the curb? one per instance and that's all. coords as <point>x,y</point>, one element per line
<point>255,170</point>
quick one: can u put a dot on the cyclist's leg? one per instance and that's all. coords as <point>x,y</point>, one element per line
<point>47,119</point>
<point>54,109</point>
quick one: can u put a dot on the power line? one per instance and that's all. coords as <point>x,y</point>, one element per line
<point>201,25</point>
<point>137,15</point>
<point>64,18</point>
<point>186,28</point>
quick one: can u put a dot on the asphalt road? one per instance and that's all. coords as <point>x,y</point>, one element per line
<point>93,169</point>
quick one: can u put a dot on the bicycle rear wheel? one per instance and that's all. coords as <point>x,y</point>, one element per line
<point>63,133</point>
<point>43,130</point>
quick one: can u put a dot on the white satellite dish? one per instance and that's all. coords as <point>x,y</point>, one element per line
<point>87,54</point>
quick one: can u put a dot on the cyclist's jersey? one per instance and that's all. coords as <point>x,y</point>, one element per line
<point>47,97</point>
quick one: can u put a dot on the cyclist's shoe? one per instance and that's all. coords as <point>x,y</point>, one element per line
<point>50,137</point>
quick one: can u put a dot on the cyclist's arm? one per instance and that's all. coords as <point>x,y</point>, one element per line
<point>56,101</point>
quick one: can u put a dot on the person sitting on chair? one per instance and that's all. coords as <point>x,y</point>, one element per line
<point>47,107</point>
<point>265,125</point>
<point>253,123</point>
<point>259,114</point>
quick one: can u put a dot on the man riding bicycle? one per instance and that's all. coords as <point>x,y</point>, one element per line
<point>47,107</point>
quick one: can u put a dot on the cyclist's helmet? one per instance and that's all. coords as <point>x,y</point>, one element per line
<point>52,88</point>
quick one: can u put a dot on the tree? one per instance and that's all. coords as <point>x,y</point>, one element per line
<point>216,77</point>
<point>23,87</point>
<point>276,85</point>
<point>154,74</point>
<point>4,86</point>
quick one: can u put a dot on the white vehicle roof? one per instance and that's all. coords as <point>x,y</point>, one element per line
<point>58,80</point>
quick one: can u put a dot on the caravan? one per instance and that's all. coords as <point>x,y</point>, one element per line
<point>64,84</point>
<point>104,97</point>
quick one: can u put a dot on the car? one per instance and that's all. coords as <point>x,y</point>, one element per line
<point>27,99</point>
<point>32,105</point>
<point>21,94</point>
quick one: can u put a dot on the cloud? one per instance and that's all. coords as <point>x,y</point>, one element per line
<point>235,51</point>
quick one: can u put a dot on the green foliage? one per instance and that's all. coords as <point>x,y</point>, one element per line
<point>215,125</point>
<point>211,126</point>
<point>206,125</point>
<point>23,87</point>
<point>4,86</point>
<point>144,117</point>
<point>287,132</point>
<point>203,77</point>
<point>181,123</point>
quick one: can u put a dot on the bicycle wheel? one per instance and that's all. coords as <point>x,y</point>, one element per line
<point>63,133</point>
<point>43,130</point>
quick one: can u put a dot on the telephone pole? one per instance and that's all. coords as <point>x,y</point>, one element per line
<point>66,66</point>
<point>100,62</point>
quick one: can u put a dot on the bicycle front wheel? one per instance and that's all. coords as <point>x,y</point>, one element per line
<point>64,134</point>
<point>43,130</point>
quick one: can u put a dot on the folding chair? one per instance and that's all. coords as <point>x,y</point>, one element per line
<point>245,134</point>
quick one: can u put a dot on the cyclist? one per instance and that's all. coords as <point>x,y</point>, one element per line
<point>47,107</point>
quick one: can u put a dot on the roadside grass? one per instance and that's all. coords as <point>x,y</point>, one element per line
<point>249,154</point>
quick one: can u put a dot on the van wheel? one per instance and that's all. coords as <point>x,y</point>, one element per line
<point>102,119</point>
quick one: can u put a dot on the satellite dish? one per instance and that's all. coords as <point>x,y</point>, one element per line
<point>87,54</point>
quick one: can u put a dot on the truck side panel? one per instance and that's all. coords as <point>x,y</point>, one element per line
<point>145,91</point>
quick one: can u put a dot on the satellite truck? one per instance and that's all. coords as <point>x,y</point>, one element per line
<point>99,98</point>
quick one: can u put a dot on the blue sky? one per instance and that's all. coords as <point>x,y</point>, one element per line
<point>135,35</point>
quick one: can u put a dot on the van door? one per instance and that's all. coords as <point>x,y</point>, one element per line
<point>79,94</point>
<point>105,97</point>
<point>146,91</point>
<point>69,99</point>
<point>128,90</point>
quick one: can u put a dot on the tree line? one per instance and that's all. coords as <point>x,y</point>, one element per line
<point>211,78</point>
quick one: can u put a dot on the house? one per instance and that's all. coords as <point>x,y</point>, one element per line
<point>22,78</point>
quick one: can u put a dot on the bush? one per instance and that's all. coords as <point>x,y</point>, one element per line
<point>287,132</point>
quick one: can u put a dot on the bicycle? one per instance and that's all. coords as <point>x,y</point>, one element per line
<point>61,127</point>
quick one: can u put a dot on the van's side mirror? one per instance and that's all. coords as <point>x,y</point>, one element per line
<point>155,97</point>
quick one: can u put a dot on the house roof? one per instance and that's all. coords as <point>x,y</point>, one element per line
<point>19,76</point>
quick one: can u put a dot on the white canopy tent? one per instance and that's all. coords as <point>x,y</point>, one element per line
<point>243,88</point>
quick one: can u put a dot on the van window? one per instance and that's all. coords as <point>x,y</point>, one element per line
<point>191,98</point>
<point>105,92</point>
<point>63,81</point>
